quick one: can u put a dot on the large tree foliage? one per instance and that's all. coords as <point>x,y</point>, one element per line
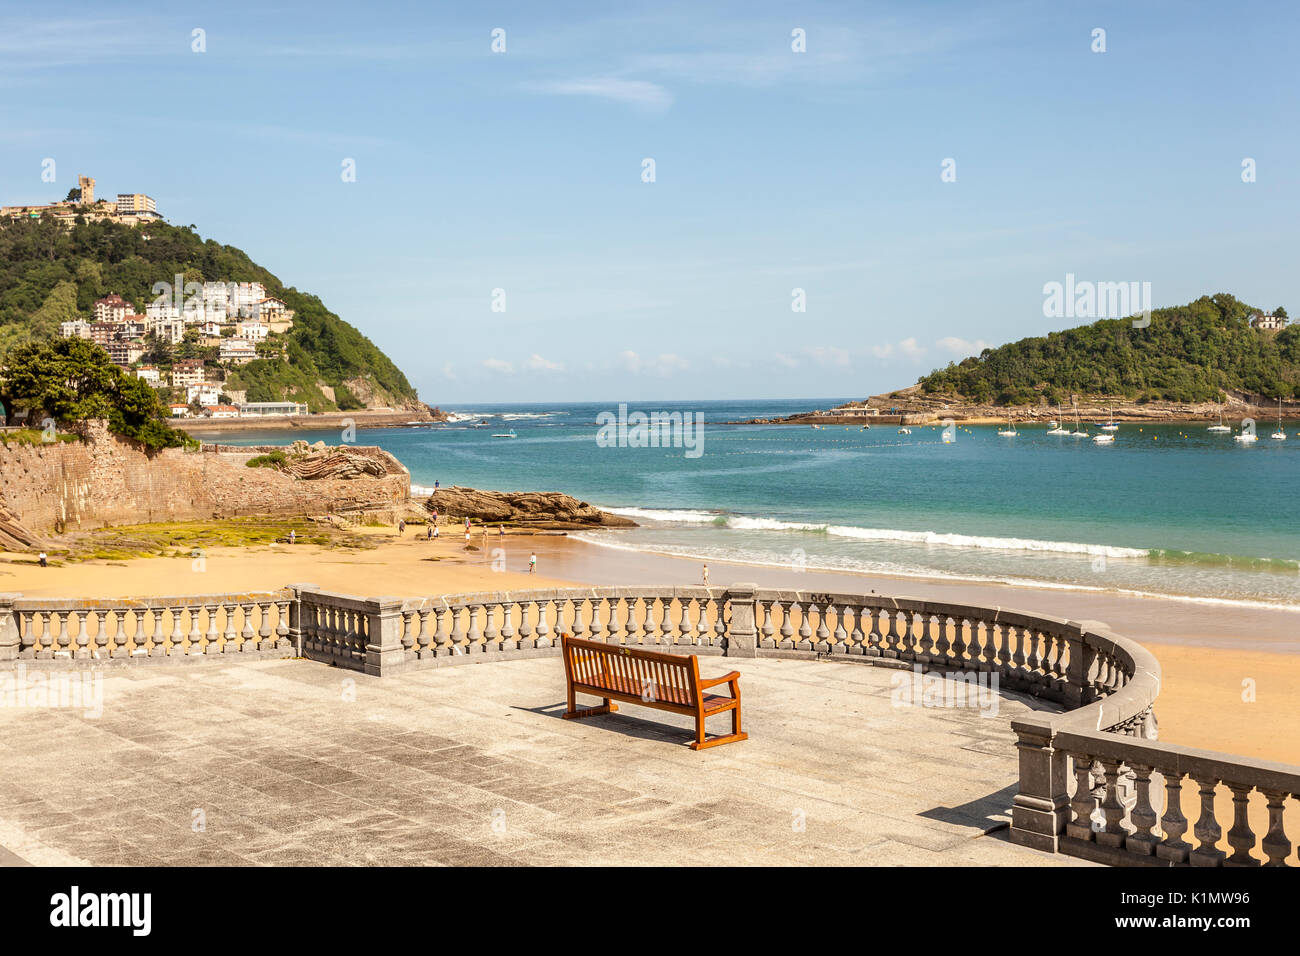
<point>1188,353</point>
<point>71,380</point>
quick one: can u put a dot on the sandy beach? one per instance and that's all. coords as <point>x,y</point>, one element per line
<point>1231,676</point>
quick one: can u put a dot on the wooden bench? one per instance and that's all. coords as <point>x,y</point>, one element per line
<point>662,681</point>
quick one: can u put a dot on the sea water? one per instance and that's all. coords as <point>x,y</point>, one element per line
<point>1167,510</point>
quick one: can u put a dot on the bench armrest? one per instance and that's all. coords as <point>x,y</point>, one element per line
<point>724,679</point>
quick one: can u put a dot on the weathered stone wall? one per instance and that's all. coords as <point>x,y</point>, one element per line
<point>106,480</point>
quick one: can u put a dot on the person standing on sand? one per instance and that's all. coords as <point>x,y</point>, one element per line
<point>502,532</point>
<point>532,563</point>
<point>293,535</point>
<point>435,531</point>
<point>705,575</point>
<point>401,527</point>
<point>44,560</point>
<point>435,486</point>
<point>467,541</point>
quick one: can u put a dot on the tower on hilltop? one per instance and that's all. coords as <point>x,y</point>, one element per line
<point>87,186</point>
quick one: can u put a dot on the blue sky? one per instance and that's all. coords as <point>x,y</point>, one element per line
<point>774,170</point>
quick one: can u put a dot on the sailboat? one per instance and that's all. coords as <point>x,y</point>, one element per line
<point>1010,430</point>
<point>1111,425</point>
<point>1102,438</point>
<point>1219,427</point>
<point>1058,428</point>
<point>1246,437</point>
<point>509,434</point>
<point>1280,434</point>
<point>1078,432</point>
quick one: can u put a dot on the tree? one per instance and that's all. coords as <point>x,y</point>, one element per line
<point>74,195</point>
<point>1279,311</point>
<point>71,380</point>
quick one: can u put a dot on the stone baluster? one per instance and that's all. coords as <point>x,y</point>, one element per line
<point>211,635</point>
<point>579,628</point>
<point>805,627</point>
<point>1083,802</point>
<point>998,654</point>
<point>473,638</point>
<point>719,623</point>
<point>441,639</point>
<point>893,641</point>
<point>652,627</point>
<point>1207,828</point>
<point>282,637</point>
<point>925,640</point>
<point>767,631</point>
<point>823,644</point>
<point>856,637</point>
<point>264,611</point>
<point>231,635</point>
<point>1114,829</point>
<point>942,645</point>
<point>28,638</point>
<point>1173,848</point>
<point>1241,837</point>
<point>841,645</point>
<point>83,638</point>
<point>525,629</point>
<point>491,635</point>
<point>543,638</point>
<point>178,633</point>
<point>458,634</point>
<point>1143,839</point>
<point>597,629</point>
<point>958,655</point>
<point>684,621</point>
<point>1276,844</point>
<point>702,621</point>
<point>409,618</point>
<point>787,625</point>
<point>630,626</point>
<point>423,637</point>
<point>194,637</point>
<point>247,636</point>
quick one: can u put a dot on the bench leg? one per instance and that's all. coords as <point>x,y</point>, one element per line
<point>736,733</point>
<point>607,707</point>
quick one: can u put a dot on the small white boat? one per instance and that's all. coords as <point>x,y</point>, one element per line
<point>905,431</point>
<point>1078,432</point>
<point>865,428</point>
<point>1056,428</point>
<point>1103,439</point>
<point>1221,428</point>
<point>1009,431</point>
<point>1246,437</point>
<point>1280,434</point>
<point>509,434</point>
<point>1111,425</point>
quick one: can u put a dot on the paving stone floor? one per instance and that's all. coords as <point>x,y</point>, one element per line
<point>297,763</point>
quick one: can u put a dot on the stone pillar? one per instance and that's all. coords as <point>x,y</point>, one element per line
<point>384,651</point>
<point>742,632</point>
<point>1042,804</point>
<point>296,592</point>
<point>8,627</point>
<point>1078,667</point>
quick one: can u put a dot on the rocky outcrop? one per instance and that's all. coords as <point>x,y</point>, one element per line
<point>548,510</point>
<point>104,479</point>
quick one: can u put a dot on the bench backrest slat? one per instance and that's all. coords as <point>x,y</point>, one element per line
<point>668,677</point>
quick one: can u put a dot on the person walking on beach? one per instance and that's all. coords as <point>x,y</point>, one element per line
<point>502,532</point>
<point>44,560</point>
<point>705,575</point>
<point>532,563</point>
<point>401,527</point>
<point>467,522</point>
<point>428,533</point>
<point>293,535</point>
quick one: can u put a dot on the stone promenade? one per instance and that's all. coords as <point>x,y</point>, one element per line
<point>297,763</point>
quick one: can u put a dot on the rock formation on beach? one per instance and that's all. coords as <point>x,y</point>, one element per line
<point>545,510</point>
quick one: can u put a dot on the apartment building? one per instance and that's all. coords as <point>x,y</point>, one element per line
<point>112,308</point>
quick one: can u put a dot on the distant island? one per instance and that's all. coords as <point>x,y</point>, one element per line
<point>214,334</point>
<point>1191,362</point>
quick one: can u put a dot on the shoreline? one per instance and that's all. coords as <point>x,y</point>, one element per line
<point>325,420</point>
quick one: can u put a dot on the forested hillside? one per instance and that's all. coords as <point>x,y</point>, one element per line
<point>51,274</point>
<point>1189,353</point>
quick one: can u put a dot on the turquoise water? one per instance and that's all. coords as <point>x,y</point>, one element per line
<point>1165,510</point>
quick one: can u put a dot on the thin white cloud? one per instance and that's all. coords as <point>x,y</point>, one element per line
<point>538,364</point>
<point>497,365</point>
<point>828,356</point>
<point>952,345</point>
<point>786,360</point>
<point>663,365</point>
<point>641,93</point>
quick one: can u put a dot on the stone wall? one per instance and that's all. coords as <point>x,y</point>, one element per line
<point>106,480</point>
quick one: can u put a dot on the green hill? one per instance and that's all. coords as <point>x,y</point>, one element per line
<point>51,274</point>
<point>1189,353</point>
